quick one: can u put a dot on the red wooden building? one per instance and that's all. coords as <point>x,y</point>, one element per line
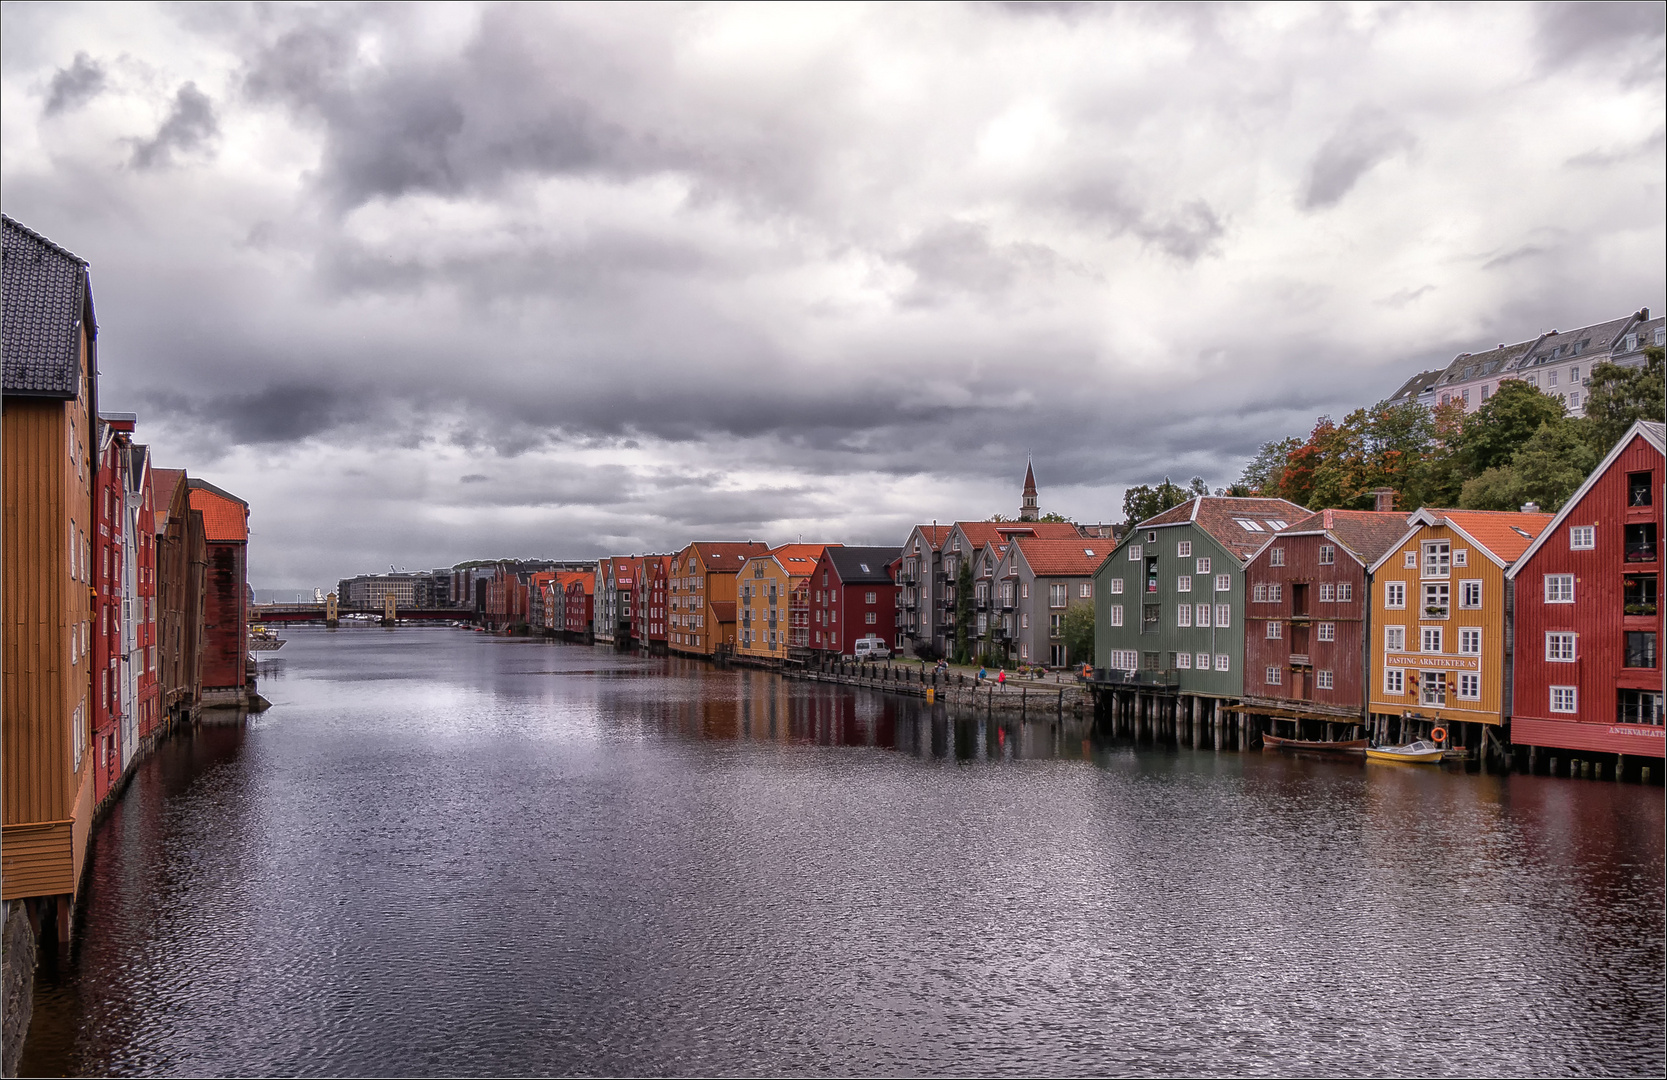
<point>141,497</point>
<point>225,594</point>
<point>648,611</point>
<point>580,606</point>
<point>109,534</point>
<point>1588,667</point>
<point>852,595</point>
<point>1307,619</point>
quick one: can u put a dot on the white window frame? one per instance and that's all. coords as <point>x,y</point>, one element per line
<point>1276,556</point>
<point>1324,681</point>
<point>1276,630</point>
<point>1223,662</point>
<point>1394,681</point>
<point>1565,700</point>
<point>1203,565</point>
<point>1327,631</point>
<point>1470,594</point>
<point>1470,686</point>
<point>1183,615</point>
<point>1085,590</point>
<point>1409,560</point>
<point>1183,583</point>
<point>1271,676</point>
<point>1183,549</point>
<point>1559,588</point>
<point>1395,639</point>
<point>1183,661</point>
<point>1116,584</point>
<point>1561,646</point>
<point>1224,616</point>
<point>1224,583</point>
<point>1395,595</point>
<point>1328,555</point>
<point>1328,593</point>
<point>1201,615</point>
<point>1470,641</point>
<point>1345,592</point>
<point>1428,635</point>
<point>1114,615</point>
<point>1136,553</point>
<point>1583,537</point>
<point>1201,661</point>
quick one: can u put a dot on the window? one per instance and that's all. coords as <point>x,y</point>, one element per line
<point>1276,557</point>
<point>1116,584</point>
<point>1574,399</point>
<point>1202,661</point>
<point>1183,615</point>
<point>1638,707</point>
<point>1640,649</point>
<point>1149,616</point>
<point>1085,591</point>
<point>1564,699</point>
<point>1470,686</point>
<point>1259,594</point>
<point>1394,681</point>
<point>1437,597</point>
<point>1183,661</point>
<point>1124,659</point>
<point>1345,592</point>
<point>1438,559</point>
<point>869,618</point>
<point>1432,687</point>
<point>1461,557</point>
<point>1152,536</point>
<point>1395,594</point>
<point>1024,590</point>
<point>1559,588</point>
<point>1409,559</point>
<point>1328,631</point>
<point>1559,646</point>
<point>1057,595</point>
<point>1116,614</point>
<point>871,598</point>
<point>1202,618</point>
<point>1276,630</point>
<point>1183,549</point>
<point>1328,594</point>
<point>1135,553</point>
<point>1056,623</point>
<point>1224,583</point>
<point>1203,566</point>
<point>1275,592</point>
<point>1322,680</point>
<point>1223,615</point>
<point>1183,583</point>
<point>1272,677</point>
<point>1638,490</point>
<point>1328,555</point>
<point>1247,525</point>
<point>1430,639</point>
<point>1149,661</point>
<point>1221,661</point>
<point>1470,642</point>
<point>1470,594</point>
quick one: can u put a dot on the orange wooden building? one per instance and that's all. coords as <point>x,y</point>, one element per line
<point>702,595</point>
<point>50,380</point>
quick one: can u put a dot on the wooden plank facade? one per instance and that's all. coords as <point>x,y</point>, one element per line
<point>1588,672</point>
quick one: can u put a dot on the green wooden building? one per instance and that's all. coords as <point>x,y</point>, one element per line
<point>1169,602</point>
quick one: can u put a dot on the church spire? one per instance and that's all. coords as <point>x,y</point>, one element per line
<point>1027,509</point>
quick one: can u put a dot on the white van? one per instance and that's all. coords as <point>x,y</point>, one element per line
<point>872,647</point>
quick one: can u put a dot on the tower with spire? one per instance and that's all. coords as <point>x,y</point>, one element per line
<point>1027,509</point>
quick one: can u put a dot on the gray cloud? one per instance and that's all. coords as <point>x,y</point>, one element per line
<point>190,125</point>
<point>74,86</point>
<point>1366,139</point>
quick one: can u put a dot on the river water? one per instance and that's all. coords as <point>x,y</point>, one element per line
<point>443,853</point>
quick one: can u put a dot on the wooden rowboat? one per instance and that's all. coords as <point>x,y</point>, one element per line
<point>1344,746</point>
<point>1417,752</point>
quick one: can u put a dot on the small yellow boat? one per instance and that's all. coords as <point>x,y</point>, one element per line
<point>1417,752</point>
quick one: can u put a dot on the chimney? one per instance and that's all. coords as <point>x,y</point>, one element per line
<point>1385,497</point>
<point>1530,507</point>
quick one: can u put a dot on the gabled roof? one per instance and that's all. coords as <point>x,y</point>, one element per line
<point>1650,431</point>
<point>934,535</point>
<point>862,565</point>
<point>45,295</point>
<point>1482,365</point>
<point>1501,535</point>
<point>1221,517</point>
<point>796,559</point>
<point>1063,558</point>
<point>723,610</point>
<point>979,533</point>
<point>727,556</point>
<point>1368,535</point>
<point>225,516</point>
<point>1598,338</point>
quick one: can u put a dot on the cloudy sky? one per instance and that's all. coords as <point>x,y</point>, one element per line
<point>444,282</point>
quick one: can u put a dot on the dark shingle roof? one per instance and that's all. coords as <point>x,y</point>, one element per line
<point>45,293</point>
<point>849,563</point>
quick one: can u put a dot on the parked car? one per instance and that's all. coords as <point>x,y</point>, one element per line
<point>872,647</point>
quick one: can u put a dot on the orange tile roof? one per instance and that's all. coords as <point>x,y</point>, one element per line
<point>1506,533</point>
<point>1064,558</point>
<point>979,533</point>
<point>799,559</point>
<point>934,534</point>
<point>225,518</point>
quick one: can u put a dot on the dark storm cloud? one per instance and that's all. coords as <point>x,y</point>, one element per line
<point>190,125</point>
<point>1366,139</point>
<point>74,86</point>
<point>1622,37</point>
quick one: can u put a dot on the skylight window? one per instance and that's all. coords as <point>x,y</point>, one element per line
<point>1526,535</point>
<point>1247,525</point>
<point>1089,552</point>
<point>1276,523</point>
<point>865,568</point>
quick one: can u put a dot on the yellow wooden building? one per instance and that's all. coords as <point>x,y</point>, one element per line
<point>1438,655</point>
<point>46,548</point>
<point>701,596</point>
<point>773,602</point>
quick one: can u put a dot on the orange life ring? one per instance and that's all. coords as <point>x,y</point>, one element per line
<point>1439,734</point>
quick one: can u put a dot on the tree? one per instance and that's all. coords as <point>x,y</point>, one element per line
<point>1492,434</point>
<point>1546,470</point>
<point>1053,517</point>
<point>1261,475</point>
<point>1141,502</point>
<point>1077,627</point>
<point>1620,395</point>
<point>963,611</point>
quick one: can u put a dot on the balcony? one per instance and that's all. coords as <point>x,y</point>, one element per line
<point>1640,551</point>
<point>1300,660</point>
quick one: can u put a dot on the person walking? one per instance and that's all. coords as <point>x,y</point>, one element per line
<point>981,675</point>
<point>1001,679</point>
